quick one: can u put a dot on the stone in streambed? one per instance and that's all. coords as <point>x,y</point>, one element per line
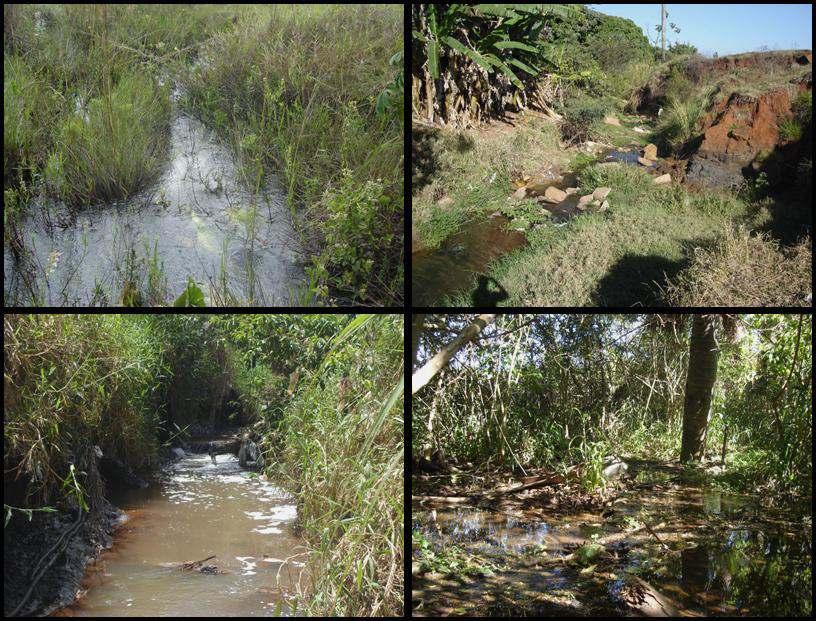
<point>554,195</point>
<point>601,193</point>
<point>650,152</point>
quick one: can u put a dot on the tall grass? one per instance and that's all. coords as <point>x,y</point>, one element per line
<point>295,90</point>
<point>115,147</point>
<point>70,382</point>
<point>680,121</point>
<point>345,457</point>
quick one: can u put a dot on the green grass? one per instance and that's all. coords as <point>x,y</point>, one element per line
<point>116,149</point>
<point>344,457</point>
<point>473,175</point>
<point>612,258</point>
<point>295,90</point>
<point>310,95</point>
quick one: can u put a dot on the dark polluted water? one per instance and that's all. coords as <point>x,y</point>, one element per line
<point>201,510</point>
<point>462,261</point>
<point>198,221</point>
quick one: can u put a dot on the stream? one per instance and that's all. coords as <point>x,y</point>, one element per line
<point>201,509</point>
<point>727,555</point>
<point>198,222</point>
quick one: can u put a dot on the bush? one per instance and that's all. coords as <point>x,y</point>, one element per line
<point>744,270</point>
<point>681,49</point>
<point>803,107</point>
<point>580,114</point>
<point>790,130</point>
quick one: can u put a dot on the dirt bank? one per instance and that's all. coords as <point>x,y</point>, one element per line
<point>26,544</point>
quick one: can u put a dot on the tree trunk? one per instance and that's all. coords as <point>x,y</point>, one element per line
<point>424,375</point>
<point>416,333</point>
<point>702,372</point>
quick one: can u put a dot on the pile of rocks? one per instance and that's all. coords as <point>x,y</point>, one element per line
<point>649,159</point>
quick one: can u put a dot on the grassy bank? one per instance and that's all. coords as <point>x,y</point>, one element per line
<point>309,95</point>
<point>295,89</point>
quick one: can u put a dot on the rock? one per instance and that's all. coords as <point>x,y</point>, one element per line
<point>714,171</point>
<point>604,206</point>
<point>538,188</point>
<point>584,200</point>
<point>640,130</point>
<point>645,162</point>
<point>520,193</point>
<point>662,179</point>
<point>249,455</point>
<point>554,195</point>
<point>496,214</point>
<point>445,201</point>
<point>650,152</point>
<point>615,470</point>
<point>611,119</point>
<point>601,193</point>
<point>177,453</point>
<point>595,203</point>
<point>570,191</point>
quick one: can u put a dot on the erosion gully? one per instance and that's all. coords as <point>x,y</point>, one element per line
<point>701,552</point>
<point>201,509</point>
<point>198,220</point>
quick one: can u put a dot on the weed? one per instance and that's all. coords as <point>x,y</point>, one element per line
<point>790,130</point>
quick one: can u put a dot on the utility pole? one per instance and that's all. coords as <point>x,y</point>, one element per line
<point>663,29</point>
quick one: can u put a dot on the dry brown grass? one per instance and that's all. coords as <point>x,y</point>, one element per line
<point>745,270</point>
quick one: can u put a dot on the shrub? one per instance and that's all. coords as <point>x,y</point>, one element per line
<point>803,107</point>
<point>744,270</point>
<point>580,114</point>
<point>681,49</point>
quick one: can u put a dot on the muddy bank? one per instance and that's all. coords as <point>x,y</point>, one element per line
<point>26,544</point>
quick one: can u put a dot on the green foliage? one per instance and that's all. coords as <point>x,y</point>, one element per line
<point>343,453</point>
<point>353,228</point>
<point>681,49</point>
<point>449,559</point>
<point>679,122</point>
<point>790,130</point>
<point>803,107</point>
<point>191,296</point>
<point>116,149</point>
<point>580,116</point>
<point>326,116</point>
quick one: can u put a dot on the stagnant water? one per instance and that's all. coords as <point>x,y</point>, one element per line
<point>738,557</point>
<point>201,510</point>
<point>198,220</point>
<point>462,262</point>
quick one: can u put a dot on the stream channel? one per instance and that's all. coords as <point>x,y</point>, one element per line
<point>462,262</point>
<point>198,219</point>
<point>728,555</point>
<point>201,509</point>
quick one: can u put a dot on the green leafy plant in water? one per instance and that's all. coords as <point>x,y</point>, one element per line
<point>448,559</point>
<point>191,296</point>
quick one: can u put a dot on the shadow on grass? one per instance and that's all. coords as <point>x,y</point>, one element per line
<point>636,280</point>
<point>489,292</point>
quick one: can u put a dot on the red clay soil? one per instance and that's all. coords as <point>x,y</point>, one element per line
<point>743,126</point>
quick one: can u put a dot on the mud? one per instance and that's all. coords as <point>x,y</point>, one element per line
<point>25,543</point>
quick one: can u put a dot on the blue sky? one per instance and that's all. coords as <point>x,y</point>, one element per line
<point>725,28</point>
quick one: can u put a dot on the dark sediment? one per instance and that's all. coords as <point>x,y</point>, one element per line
<point>25,543</point>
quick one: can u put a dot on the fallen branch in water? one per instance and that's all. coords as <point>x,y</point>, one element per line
<point>192,564</point>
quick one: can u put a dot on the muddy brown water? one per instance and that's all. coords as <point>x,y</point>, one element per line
<point>200,510</point>
<point>199,218</point>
